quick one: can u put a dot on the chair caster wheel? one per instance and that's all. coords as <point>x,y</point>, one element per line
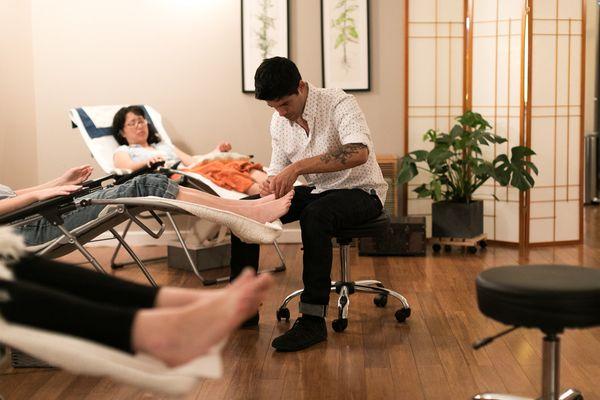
<point>339,325</point>
<point>472,249</point>
<point>436,248</point>
<point>447,248</point>
<point>380,300</point>
<point>483,244</point>
<point>402,314</point>
<point>283,313</point>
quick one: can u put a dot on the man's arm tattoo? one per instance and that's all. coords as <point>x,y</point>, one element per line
<point>343,154</point>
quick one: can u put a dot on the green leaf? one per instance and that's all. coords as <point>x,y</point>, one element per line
<point>419,155</point>
<point>422,191</point>
<point>408,170</point>
<point>430,135</point>
<point>520,152</point>
<point>438,156</point>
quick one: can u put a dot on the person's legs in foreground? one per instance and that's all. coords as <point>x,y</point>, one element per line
<point>173,333</point>
<point>336,209</point>
<point>88,284</point>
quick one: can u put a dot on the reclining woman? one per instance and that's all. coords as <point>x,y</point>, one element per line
<point>263,210</point>
<point>175,325</point>
<point>142,145</point>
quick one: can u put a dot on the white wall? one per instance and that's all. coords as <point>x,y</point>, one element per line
<point>183,57</point>
<point>18,146</point>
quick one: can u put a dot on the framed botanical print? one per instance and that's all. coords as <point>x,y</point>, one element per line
<point>345,44</point>
<point>265,34</point>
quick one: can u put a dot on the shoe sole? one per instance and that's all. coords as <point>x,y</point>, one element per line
<point>291,350</point>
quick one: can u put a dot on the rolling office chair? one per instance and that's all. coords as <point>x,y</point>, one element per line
<point>346,287</point>
<point>547,297</point>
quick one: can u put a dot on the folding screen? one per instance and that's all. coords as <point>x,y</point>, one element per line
<point>434,97</point>
<point>556,70</point>
<point>496,37</point>
<point>482,55</point>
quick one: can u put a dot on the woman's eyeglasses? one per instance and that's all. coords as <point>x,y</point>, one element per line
<point>135,124</point>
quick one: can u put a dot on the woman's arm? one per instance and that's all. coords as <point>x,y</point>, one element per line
<point>72,176</point>
<point>122,160</point>
<point>185,158</point>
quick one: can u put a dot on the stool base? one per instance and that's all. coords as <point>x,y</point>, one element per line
<point>569,394</point>
<point>345,289</point>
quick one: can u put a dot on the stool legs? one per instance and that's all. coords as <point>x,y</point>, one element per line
<point>345,287</point>
<point>551,368</point>
<point>550,377</point>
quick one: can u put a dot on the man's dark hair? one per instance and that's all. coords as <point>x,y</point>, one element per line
<point>275,78</point>
<point>119,123</point>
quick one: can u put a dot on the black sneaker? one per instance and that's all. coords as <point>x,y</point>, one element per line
<point>307,330</point>
<point>251,322</point>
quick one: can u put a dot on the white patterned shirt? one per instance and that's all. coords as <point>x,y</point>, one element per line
<point>334,119</point>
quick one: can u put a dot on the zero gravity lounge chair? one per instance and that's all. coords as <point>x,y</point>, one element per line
<point>94,125</point>
<point>117,211</point>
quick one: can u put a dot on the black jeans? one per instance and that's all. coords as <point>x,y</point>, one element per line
<point>320,216</point>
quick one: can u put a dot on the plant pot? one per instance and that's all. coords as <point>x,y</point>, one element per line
<point>457,220</point>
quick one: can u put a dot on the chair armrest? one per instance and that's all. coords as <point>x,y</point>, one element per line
<point>54,206</point>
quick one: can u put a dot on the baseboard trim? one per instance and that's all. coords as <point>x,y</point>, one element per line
<point>141,238</point>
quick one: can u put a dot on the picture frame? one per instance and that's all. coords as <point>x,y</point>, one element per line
<point>265,34</point>
<point>345,44</point>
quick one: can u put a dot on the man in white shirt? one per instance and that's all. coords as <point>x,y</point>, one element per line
<point>322,135</point>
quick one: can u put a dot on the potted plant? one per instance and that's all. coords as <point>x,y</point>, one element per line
<point>457,169</point>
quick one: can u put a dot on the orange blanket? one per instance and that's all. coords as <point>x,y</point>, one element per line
<point>229,174</point>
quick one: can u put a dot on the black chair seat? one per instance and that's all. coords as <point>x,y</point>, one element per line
<point>372,228</point>
<point>548,297</point>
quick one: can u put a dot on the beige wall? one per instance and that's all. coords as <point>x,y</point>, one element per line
<point>183,57</point>
<point>591,56</point>
<point>17,111</point>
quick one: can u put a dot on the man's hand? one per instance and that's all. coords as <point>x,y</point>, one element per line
<point>283,182</point>
<point>75,175</point>
<point>265,187</point>
<point>56,191</point>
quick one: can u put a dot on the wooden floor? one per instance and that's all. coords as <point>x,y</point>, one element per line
<point>429,357</point>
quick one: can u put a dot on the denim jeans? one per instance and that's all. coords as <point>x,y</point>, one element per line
<point>42,231</point>
<point>320,215</point>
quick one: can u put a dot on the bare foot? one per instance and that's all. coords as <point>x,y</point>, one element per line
<point>182,334</point>
<point>265,199</point>
<point>273,210</point>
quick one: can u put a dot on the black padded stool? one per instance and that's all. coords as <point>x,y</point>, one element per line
<point>548,297</point>
<point>345,287</point>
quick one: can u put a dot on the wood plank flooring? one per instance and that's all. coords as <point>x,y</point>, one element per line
<point>428,358</point>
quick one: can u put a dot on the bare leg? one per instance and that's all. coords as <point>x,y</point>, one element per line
<point>170,296</point>
<point>262,211</point>
<point>178,335</point>
<point>208,199</point>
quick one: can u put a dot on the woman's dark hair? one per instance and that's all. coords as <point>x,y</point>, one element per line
<point>275,78</point>
<point>119,123</point>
